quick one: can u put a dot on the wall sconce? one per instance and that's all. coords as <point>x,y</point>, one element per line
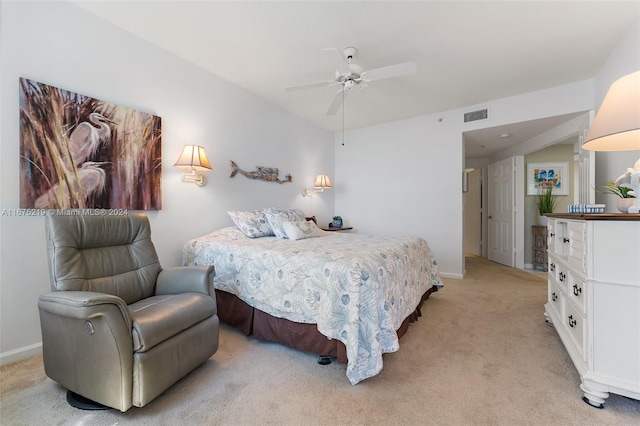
<point>616,126</point>
<point>193,158</point>
<point>322,182</point>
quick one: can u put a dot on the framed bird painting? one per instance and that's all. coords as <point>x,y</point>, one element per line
<point>78,152</point>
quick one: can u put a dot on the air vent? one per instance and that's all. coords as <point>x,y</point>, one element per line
<point>481,114</point>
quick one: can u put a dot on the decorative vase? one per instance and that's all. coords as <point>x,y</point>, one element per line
<point>623,204</point>
<point>543,220</point>
<point>337,223</point>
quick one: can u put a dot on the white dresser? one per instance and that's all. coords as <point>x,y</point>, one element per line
<point>594,299</point>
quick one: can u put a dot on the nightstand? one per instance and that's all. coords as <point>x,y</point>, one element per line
<point>344,228</point>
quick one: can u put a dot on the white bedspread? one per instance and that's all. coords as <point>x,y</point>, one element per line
<point>357,288</point>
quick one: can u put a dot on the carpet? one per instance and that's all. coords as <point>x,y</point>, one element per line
<point>481,354</point>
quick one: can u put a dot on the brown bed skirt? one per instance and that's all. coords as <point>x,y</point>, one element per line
<point>306,337</point>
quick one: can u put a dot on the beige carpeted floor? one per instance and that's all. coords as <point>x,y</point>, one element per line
<point>481,354</point>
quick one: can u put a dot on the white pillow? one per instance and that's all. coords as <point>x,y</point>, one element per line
<point>300,230</point>
<point>252,223</point>
<point>276,217</point>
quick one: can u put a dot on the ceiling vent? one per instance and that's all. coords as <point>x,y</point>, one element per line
<point>481,114</point>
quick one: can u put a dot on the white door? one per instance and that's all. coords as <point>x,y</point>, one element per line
<point>500,212</point>
<point>473,213</point>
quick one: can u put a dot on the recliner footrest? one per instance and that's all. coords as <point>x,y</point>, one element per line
<point>158,318</point>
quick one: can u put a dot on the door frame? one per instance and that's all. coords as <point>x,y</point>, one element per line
<point>575,126</point>
<point>474,177</point>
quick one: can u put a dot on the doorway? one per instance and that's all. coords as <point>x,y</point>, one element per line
<point>482,149</point>
<point>473,212</point>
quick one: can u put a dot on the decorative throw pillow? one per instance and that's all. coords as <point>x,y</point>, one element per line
<point>301,230</point>
<point>252,223</point>
<point>276,217</point>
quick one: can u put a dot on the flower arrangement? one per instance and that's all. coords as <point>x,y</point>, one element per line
<point>546,200</point>
<point>337,222</point>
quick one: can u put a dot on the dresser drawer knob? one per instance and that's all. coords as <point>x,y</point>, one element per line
<point>552,234</point>
<point>565,240</point>
<point>562,276</point>
<point>572,322</point>
<point>554,296</point>
<point>552,267</point>
<point>576,290</point>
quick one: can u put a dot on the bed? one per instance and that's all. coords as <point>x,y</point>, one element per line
<point>331,293</point>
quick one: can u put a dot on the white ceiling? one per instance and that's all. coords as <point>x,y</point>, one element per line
<point>466,53</point>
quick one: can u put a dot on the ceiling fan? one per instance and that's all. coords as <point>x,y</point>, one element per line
<point>355,76</point>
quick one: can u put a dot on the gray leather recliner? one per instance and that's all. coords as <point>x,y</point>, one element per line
<point>118,329</point>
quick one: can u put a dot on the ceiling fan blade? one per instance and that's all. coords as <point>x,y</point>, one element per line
<point>337,101</point>
<point>390,71</point>
<point>309,85</point>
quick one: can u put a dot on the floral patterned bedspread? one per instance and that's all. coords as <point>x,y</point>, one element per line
<point>357,288</point>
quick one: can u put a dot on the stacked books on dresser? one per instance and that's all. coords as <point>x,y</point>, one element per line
<point>586,208</point>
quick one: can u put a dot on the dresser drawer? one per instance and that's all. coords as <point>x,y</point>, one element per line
<point>556,299</point>
<point>553,266</point>
<point>575,324</point>
<point>562,276</point>
<point>577,292</point>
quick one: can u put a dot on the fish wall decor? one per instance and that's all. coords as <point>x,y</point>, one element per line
<point>267,174</point>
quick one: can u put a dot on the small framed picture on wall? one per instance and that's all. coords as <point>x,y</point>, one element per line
<point>541,176</point>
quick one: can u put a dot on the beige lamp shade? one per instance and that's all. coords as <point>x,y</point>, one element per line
<point>322,182</point>
<point>193,157</point>
<point>616,126</point>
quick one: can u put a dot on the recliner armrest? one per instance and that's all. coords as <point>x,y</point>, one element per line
<point>87,345</point>
<point>182,279</point>
<point>81,304</point>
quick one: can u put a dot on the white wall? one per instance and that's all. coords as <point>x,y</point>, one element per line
<point>62,45</point>
<point>398,178</point>
<point>412,169</point>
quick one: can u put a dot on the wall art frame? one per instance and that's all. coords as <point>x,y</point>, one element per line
<point>540,176</point>
<point>78,152</point>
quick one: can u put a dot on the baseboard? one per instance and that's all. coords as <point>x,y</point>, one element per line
<point>20,353</point>
<point>528,266</point>
<point>448,275</point>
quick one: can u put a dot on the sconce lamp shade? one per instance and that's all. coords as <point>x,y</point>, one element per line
<point>193,157</point>
<point>322,182</point>
<point>616,126</point>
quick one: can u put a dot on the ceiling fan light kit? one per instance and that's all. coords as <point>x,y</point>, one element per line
<point>355,76</point>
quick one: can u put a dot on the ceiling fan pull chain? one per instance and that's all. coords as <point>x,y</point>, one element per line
<point>343,106</point>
